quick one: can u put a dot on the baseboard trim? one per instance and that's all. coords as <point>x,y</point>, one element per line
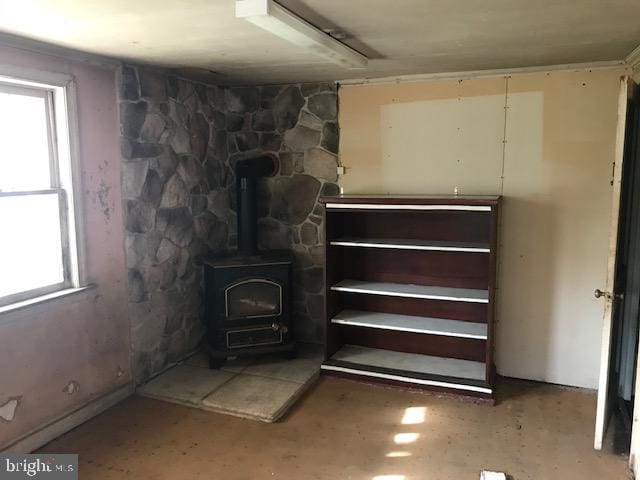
<point>53,430</point>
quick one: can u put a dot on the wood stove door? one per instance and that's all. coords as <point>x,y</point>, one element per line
<point>253,298</point>
<point>249,301</point>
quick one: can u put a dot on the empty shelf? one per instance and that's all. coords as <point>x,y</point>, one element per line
<point>407,323</point>
<point>413,291</point>
<point>405,244</point>
<point>410,368</point>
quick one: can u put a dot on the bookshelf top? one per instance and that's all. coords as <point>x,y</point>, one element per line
<point>482,200</point>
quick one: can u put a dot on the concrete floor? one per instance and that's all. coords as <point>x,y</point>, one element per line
<point>345,430</point>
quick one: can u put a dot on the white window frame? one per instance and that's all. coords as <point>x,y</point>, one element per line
<point>59,92</point>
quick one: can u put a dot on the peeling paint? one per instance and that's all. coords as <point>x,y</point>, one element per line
<point>8,409</point>
<point>71,387</point>
<point>103,198</point>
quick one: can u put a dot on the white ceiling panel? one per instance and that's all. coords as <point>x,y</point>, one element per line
<point>399,36</point>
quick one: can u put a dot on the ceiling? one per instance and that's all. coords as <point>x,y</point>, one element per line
<point>400,37</point>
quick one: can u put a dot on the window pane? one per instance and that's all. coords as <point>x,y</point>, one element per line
<point>24,145</point>
<point>30,246</point>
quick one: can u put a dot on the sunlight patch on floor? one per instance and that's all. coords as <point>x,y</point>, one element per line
<point>414,415</point>
<point>398,454</point>
<point>404,438</point>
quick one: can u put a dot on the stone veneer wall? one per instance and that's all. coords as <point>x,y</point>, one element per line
<point>179,141</point>
<point>172,169</point>
<point>298,124</point>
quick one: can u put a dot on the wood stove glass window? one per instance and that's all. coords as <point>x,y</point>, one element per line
<point>253,298</point>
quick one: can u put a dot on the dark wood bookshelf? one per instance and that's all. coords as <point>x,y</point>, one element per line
<point>410,291</point>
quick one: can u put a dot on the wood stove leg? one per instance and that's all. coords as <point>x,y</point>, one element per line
<point>291,354</point>
<point>215,362</point>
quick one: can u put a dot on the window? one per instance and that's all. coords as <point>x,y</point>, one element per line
<point>38,251</point>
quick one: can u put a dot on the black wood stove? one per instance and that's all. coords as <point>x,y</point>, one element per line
<point>248,293</point>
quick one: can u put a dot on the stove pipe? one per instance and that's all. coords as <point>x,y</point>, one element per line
<point>247,171</point>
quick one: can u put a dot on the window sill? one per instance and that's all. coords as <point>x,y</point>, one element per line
<point>43,299</point>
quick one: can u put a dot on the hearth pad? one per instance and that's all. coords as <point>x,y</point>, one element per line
<point>262,388</point>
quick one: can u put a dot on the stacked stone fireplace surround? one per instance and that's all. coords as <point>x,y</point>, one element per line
<point>179,142</point>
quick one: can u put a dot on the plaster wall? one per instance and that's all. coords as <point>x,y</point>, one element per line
<point>544,141</point>
<point>81,340</point>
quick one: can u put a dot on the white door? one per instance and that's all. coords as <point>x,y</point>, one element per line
<point>603,408</point>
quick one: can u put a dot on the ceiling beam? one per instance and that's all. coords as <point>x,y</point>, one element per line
<point>36,46</point>
<point>461,75</point>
